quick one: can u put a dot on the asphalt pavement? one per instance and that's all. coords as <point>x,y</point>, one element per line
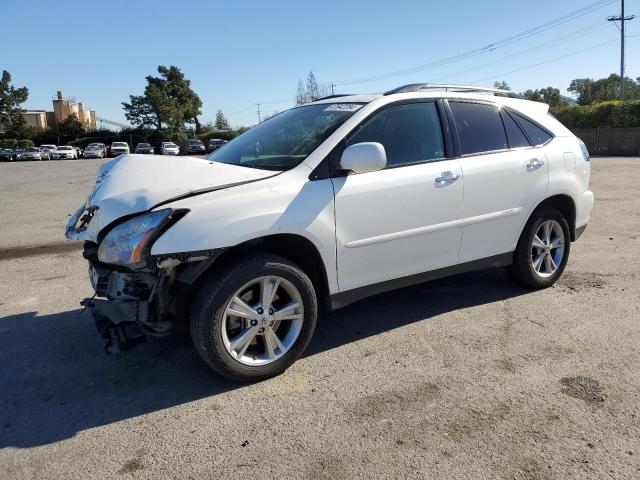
<point>466,377</point>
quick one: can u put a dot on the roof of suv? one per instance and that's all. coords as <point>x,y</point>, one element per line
<point>536,110</point>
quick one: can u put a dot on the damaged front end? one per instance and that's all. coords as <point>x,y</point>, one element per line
<point>147,301</point>
<point>138,293</point>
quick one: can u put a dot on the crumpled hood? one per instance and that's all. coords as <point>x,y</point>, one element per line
<point>131,184</point>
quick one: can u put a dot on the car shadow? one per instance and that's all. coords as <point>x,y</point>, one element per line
<point>56,380</point>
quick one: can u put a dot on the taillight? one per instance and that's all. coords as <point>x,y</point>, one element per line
<point>585,151</point>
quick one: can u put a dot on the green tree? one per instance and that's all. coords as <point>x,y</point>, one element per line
<point>179,89</point>
<point>11,119</point>
<point>502,85</point>
<point>548,95</point>
<point>589,91</point>
<point>71,127</point>
<point>168,103</point>
<point>221,121</point>
<point>582,88</point>
<point>140,111</point>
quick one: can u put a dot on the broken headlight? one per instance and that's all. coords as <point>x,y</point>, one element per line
<point>126,244</point>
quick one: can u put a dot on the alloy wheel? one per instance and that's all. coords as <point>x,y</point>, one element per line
<point>547,248</point>
<point>262,320</point>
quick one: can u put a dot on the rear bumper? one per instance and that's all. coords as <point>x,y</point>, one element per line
<point>584,205</point>
<point>579,232</point>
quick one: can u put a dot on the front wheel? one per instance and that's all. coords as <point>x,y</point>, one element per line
<point>252,320</point>
<point>543,249</point>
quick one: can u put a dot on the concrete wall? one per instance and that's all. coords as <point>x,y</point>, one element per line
<point>610,141</point>
<point>35,118</point>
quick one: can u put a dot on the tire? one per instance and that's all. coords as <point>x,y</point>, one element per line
<point>211,322</point>
<point>526,256</point>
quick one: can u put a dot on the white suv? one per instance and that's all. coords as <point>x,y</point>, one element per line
<point>169,148</point>
<point>323,205</point>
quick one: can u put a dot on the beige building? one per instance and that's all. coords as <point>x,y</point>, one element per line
<point>62,108</point>
<point>36,118</point>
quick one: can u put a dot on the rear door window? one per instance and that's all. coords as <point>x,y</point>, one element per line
<point>479,127</point>
<point>515,135</point>
<point>537,135</point>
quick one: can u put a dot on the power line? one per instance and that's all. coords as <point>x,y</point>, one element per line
<point>556,41</point>
<point>546,61</point>
<point>487,48</point>
<point>241,110</point>
<point>253,105</point>
<point>275,102</point>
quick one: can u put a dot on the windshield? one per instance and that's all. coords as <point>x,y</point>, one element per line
<point>64,148</point>
<point>170,145</point>
<point>118,144</point>
<point>143,145</point>
<point>194,142</point>
<point>283,141</point>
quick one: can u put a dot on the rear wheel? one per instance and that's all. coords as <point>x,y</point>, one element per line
<point>543,250</point>
<point>254,319</point>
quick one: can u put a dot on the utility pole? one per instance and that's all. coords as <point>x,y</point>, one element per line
<point>621,18</point>
<point>258,112</point>
<point>332,85</point>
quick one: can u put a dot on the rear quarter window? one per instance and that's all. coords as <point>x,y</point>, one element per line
<point>515,135</point>
<point>538,135</point>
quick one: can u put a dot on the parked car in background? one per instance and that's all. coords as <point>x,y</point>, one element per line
<point>118,148</point>
<point>18,153</point>
<point>170,148</point>
<point>32,153</point>
<point>145,148</point>
<point>65,152</point>
<point>49,147</point>
<point>7,155</point>
<point>216,143</point>
<point>46,154</point>
<point>194,147</point>
<point>93,151</point>
<point>102,146</point>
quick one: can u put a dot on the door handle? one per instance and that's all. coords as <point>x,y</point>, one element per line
<point>446,178</point>
<point>534,164</point>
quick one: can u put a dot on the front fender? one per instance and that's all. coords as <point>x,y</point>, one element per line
<point>236,215</point>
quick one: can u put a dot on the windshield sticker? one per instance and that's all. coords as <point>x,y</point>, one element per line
<point>343,107</point>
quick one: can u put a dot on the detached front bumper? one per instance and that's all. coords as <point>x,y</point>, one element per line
<point>131,305</point>
<point>118,322</point>
<point>135,304</point>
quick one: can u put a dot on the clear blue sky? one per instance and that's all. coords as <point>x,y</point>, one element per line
<point>238,53</point>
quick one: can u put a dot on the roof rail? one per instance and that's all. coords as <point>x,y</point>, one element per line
<point>334,96</point>
<point>415,87</point>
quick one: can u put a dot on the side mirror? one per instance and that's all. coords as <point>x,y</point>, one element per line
<point>364,157</point>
